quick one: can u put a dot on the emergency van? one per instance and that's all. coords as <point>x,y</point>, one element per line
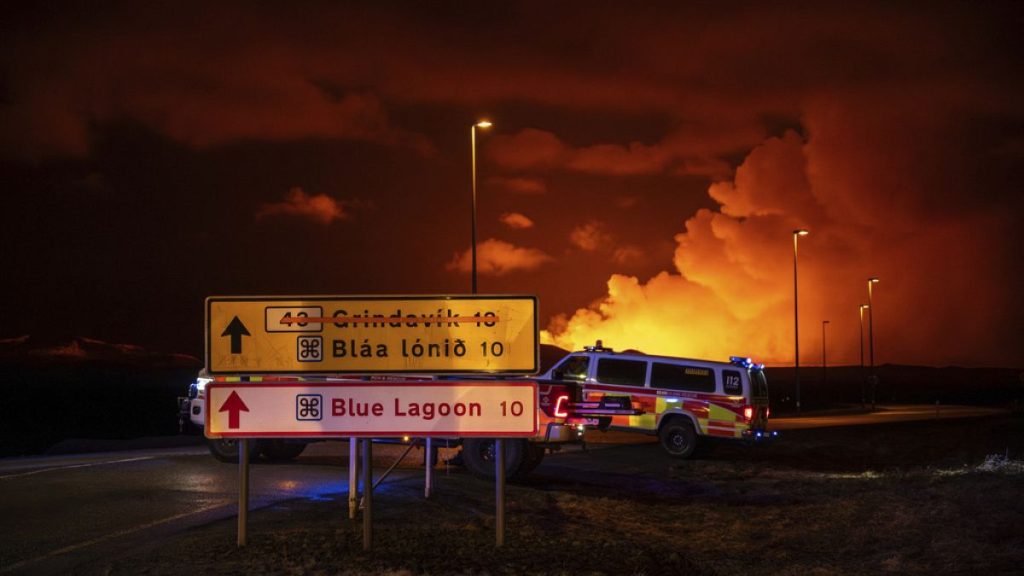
<point>681,400</point>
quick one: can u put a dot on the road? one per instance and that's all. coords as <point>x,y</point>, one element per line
<point>60,511</point>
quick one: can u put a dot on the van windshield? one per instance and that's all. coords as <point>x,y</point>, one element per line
<point>573,368</point>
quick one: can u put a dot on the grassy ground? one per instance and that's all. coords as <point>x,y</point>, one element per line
<point>921,498</point>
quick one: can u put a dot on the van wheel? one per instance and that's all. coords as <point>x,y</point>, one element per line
<point>478,456</point>
<point>678,438</point>
<point>534,456</point>
<point>278,451</point>
<point>226,449</point>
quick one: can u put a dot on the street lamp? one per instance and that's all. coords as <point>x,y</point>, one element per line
<point>871,337</point>
<point>499,448</point>
<point>824,362</point>
<point>796,324</point>
<point>472,142</point>
<point>863,398</point>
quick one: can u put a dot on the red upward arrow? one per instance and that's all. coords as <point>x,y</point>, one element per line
<point>233,405</point>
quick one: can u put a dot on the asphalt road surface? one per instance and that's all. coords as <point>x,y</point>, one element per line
<point>59,511</point>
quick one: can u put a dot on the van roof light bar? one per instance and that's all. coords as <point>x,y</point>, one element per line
<point>597,347</point>
<point>742,361</point>
<point>745,362</point>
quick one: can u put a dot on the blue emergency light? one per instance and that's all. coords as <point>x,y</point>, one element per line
<point>745,363</point>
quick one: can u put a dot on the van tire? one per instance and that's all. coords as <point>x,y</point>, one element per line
<point>678,437</point>
<point>534,456</point>
<point>226,449</point>
<point>478,456</point>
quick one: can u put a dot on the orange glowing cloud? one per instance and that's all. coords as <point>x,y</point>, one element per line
<point>691,150</point>
<point>529,149</point>
<point>515,221</point>
<point>589,236</point>
<point>628,255</point>
<point>319,208</point>
<point>518,184</point>
<point>239,84</point>
<point>731,289</point>
<point>636,158</point>
<point>499,258</point>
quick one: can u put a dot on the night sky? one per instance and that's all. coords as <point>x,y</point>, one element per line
<point>643,176</point>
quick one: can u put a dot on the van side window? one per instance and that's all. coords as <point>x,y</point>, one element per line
<point>680,377</point>
<point>574,368</point>
<point>621,372</point>
<point>732,382</point>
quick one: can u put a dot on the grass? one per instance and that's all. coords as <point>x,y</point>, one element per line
<point>847,501</point>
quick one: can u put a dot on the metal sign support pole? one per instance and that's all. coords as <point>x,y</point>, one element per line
<point>243,490</point>
<point>353,479</point>
<point>499,489</point>
<point>367,493</point>
<point>429,467</point>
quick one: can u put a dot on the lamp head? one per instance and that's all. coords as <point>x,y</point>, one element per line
<point>484,124</point>
<point>873,279</point>
<point>801,232</point>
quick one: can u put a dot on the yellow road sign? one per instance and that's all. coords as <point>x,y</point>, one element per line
<point>371,334</point>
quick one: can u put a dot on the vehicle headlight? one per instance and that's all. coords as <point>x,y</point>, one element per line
<point>202,382</point>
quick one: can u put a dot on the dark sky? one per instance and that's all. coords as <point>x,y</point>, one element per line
<point>643,175</point>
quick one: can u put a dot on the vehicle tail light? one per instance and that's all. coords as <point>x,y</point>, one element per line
<point>559,403</point>
<point>748,413</point>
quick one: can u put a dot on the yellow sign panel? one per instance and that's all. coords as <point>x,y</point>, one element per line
<point>371,334</point>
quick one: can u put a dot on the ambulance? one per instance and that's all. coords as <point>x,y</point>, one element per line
<point>685,402</point>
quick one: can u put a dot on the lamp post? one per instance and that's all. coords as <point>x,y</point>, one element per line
<point>472,143</point>
<point>871,337</point>
<point>863,399</point>
<point>499,448</point>
<point>824,362</point>
<point>796,323</point>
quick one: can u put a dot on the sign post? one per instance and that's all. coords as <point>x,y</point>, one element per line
<point>499,493</point>
<point>243,491</point>
<point>428,469</point>
<point>466,334</point>
<point>367,410</point>
<point>367,493</point>
<point>353,478</point>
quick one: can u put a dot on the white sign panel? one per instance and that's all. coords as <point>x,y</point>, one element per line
<point>372,409</point>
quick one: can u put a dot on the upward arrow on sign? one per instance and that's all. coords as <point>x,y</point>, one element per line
<point>234,407</point>
<point>236,330</point>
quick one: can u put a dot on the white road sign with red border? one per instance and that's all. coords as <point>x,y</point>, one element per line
<point>371,409</point>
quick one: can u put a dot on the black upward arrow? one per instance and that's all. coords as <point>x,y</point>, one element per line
<point>236,330</point>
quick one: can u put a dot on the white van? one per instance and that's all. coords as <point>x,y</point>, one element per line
<point>681,400</point>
